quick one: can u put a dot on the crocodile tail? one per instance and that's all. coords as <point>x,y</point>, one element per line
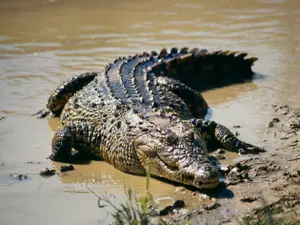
<point>202,69</point>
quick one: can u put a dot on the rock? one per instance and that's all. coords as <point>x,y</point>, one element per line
<point>295,126</point>
<point>66,168</point>
<point>33,162</point>
<point>224,169</point>
<point>220,156</point>
<point>19,176</point>
<point>180,189</point>
<point>211,206</point>
<point>271,124</point>
<point>285,112</point>
<point>47,172</point>
<point>248,199</point>
<point>220,151</point>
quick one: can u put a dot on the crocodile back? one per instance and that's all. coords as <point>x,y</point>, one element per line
<point>133,80</point>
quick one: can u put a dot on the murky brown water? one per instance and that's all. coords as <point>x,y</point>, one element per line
<point>43,42</point>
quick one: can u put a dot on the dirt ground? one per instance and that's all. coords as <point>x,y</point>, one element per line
<point>265,186</point>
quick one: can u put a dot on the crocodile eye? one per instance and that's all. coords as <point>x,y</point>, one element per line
<point>190,136</point>
<point>171,139</point>
<point>53,105</point>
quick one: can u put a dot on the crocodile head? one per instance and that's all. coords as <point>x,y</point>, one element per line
<point>177,153</point>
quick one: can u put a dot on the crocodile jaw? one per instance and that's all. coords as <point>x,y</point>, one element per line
<point>192,171</point>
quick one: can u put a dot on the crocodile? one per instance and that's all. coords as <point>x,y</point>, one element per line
<point>144,113</point>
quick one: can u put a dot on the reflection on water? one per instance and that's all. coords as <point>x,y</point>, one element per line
<point>43,42</point>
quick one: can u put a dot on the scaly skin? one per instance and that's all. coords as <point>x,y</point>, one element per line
<point>144,113</point>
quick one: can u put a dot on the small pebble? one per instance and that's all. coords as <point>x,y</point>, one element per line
<point>220,151</point>
<point>220,156</point>
<point>224,168</point>
<point>66,168</point>
<point>275,120</point>
<point>19,176</point>
<point>47,172</point>
<point>248,199</point>
<point>180,189</point>
<point>33,162</point>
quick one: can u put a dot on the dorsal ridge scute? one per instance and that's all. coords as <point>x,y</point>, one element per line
<point>112,76</point>
<point>129,78</point>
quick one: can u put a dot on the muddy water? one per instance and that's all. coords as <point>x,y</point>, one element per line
<point>43,42</point>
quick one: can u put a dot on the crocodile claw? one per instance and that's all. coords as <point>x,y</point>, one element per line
<point>246,148</point>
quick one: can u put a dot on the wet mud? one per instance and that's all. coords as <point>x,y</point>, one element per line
<point>264,186</point>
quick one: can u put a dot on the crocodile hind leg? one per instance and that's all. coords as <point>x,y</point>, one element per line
<point>79,137</point>
<point>64,92</point>
<point>218,135</point>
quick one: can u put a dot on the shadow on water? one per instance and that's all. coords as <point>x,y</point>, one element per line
<point>222,192</point>
<point>223,83</point>
<point>219,192</point>
<point>102,173</point>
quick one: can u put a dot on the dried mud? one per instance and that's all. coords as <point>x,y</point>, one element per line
<point>265,186</point>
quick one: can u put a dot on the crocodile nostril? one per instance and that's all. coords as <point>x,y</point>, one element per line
<point>206,176</point>
<point>172,139</point>
<point>207,168</point>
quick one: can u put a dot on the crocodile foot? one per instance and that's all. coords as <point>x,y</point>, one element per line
<point>246,148</point>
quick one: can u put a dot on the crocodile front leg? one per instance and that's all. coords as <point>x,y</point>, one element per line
<point>218,135</point>
<point>64,92</point>
<point>80,136</point>
<point>62,144</point>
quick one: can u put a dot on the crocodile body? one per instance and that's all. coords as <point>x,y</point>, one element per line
<point>145,113</point>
